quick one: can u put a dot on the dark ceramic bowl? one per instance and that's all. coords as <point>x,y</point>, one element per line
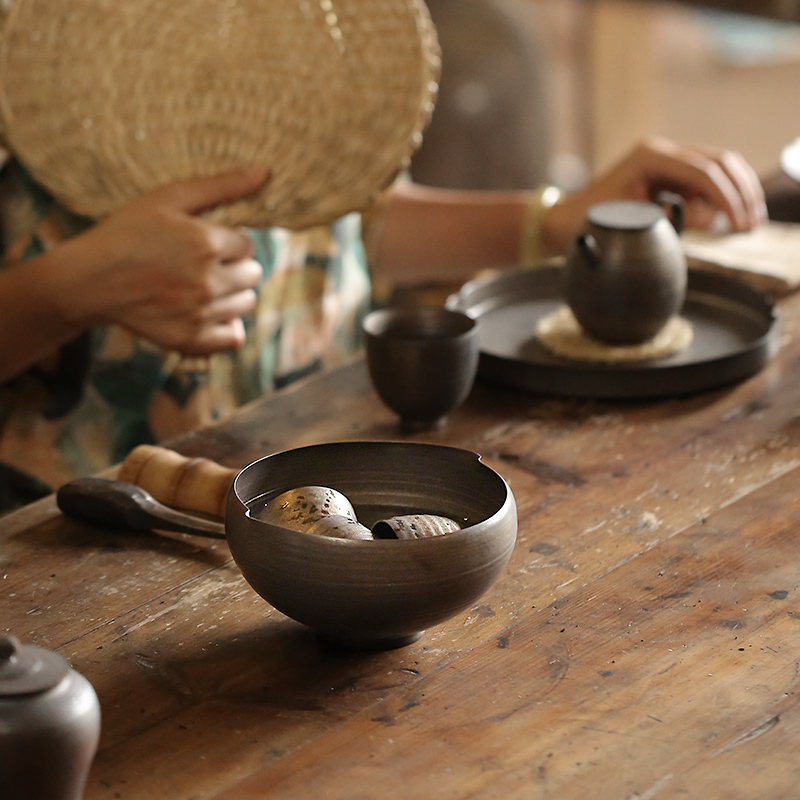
<point>422,361</point>
<point>383,593</point>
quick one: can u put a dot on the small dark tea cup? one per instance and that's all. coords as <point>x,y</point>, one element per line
<point>422,361</point>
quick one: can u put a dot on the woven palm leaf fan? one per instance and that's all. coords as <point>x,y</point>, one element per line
<point>102,100</point>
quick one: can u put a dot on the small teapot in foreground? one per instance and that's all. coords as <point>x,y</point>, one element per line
<point>49,724</point>
<point>626,271</point>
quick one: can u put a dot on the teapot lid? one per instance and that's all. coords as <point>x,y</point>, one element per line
<point>626,215</point>
<point>25,669</point>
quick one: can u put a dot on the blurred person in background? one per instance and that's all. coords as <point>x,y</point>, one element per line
<point>153,321</point>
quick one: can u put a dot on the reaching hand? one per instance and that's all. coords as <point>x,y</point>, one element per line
<point>161,271</point>
<point>710,180</point>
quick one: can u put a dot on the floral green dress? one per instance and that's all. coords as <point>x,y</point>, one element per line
<point>83,409</point>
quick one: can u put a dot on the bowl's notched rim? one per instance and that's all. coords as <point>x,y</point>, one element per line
<point>243,499</point>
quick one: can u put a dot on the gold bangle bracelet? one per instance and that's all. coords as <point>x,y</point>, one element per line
<point>544,198</point>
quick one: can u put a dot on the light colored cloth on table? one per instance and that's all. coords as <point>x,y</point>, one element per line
<point>766,258</point>
<point>85,407</point>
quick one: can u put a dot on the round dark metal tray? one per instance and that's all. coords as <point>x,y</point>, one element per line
<point>735,335</point>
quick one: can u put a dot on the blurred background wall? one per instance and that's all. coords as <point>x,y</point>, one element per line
<point>612,71</point>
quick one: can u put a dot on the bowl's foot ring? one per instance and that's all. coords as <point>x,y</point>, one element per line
<point>420,425</point>
<point>347,643</point>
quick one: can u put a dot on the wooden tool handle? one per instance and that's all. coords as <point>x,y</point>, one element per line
<point>198,484</point>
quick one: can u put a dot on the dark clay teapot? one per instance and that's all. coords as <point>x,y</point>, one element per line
<point>626,271</point>
<point>49,725</point>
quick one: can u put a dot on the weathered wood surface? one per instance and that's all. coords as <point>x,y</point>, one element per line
<point>644,641</point>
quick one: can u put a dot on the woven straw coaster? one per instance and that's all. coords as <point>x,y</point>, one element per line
<point>102,100</point>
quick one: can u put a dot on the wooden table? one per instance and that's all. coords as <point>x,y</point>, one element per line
<point>644,641</point>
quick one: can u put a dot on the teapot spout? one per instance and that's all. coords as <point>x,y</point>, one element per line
<point>589,248</point>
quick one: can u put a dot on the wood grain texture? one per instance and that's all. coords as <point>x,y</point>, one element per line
<point>642,642</point>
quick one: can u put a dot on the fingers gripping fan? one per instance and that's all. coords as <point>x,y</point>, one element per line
<point>102,100</point>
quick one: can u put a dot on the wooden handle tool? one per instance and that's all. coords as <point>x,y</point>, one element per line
<point>198,484</point>
<point>123,505</point>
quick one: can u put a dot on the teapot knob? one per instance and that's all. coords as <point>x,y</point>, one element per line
<point>8,647</point>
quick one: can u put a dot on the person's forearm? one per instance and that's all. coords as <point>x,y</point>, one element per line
<point>430,234</point>
<point>438,234</point>
<point>32,323</point>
